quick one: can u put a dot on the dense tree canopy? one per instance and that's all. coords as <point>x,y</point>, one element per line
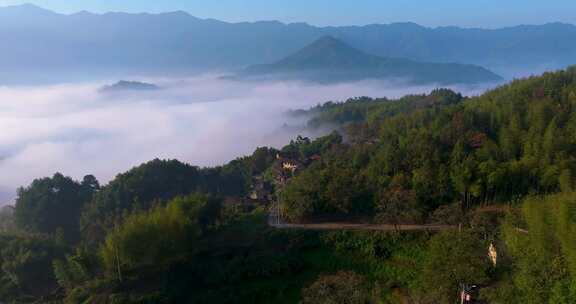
<point>26,265</point>
<point>158,236</point>
<point>52,204</point>
<point>158,181</point>
<point>510,142</point>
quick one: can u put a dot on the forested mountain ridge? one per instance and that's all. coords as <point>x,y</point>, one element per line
<point>329,60</point>
<point>500,166</point>
<point>510,142</point>
<point>179,41</point>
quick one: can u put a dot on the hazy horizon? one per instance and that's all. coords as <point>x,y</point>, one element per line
<point>447,13</point>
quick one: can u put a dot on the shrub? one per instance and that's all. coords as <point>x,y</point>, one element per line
<point>343,287</point>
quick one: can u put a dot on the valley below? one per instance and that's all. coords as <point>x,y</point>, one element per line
<point>203,120</point>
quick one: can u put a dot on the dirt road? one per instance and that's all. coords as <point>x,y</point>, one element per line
<point>358,226</point>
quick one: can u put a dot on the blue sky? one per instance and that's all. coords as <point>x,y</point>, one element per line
<point>469,13</point>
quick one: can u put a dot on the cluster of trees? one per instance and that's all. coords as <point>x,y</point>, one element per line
<point>26,266</point>
<point>424,152</point>
<point>84,208</point>
<point>74,231</point>
<point>51,205</point>
<point>363,109</point>
<point>157,236</point>
<point>540,244</point>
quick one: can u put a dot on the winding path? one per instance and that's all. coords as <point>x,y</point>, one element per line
<point>360,226</point>
<point>274,220</point>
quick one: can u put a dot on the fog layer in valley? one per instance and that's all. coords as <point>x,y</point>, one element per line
<point>205,121</point>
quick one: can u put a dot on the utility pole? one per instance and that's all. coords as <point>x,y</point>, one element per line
<point>466,293</point>
<point>116,251</point>
<point>462,293</point>
<point>278,212</point>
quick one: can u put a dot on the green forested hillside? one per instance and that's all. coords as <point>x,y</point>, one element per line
<point>498,168</point>
<point>435,150</point>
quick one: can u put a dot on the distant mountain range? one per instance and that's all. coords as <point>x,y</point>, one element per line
<point>37,39</point>
<point>331,60</point>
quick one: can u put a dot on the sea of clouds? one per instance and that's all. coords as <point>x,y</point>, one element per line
<point>75,129</point>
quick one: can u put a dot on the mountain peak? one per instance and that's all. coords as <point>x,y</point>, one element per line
<point>327,39</point>
<point>26,8</point>
<point>327,51</point>
<point>329,42</point>
<point>329,59</point>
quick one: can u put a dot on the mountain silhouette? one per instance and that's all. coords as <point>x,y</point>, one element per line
<point>330,60</point>
<point>39,44</point>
